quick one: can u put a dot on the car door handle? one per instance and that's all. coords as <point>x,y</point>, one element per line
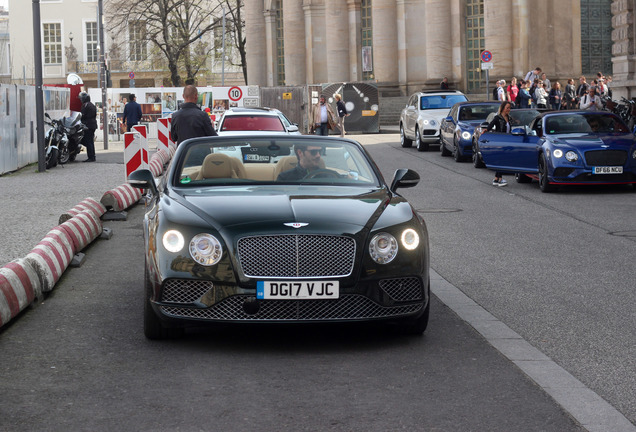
<point>485,141</point>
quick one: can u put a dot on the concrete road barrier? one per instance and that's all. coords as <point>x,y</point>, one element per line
<point>19,287</point>
<point>51,257</point>
<point>88,204</point>
<point>121,197</point>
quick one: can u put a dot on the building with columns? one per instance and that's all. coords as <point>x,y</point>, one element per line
<point>407,45</point>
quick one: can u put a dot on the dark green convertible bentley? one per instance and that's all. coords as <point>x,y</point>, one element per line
<point>281,229</point>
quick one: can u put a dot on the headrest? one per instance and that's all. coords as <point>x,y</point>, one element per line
<point>216,165</point>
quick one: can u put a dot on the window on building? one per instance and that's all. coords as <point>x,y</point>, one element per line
<point>52,38</point>
<point>475,43</point>
<point>596,37</point>
<point>280,44</point>
<point>137,41</point>
<point>367,40</point>
<point>91,42</point>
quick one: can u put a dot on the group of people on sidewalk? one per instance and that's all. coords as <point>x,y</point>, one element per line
<point>536,91</point>
<point>324,118</point>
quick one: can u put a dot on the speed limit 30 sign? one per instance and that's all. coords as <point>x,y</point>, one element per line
<point>235,94</point>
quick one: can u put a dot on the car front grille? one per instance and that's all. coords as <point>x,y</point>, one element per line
<point>296,256</point>
<point>184,290</point>
<point>606,157</point>
<point>400,290</point>
<point>429,132</point>
<point>347,307</point>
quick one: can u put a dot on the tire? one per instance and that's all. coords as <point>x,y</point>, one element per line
<point>442,148</point>
<point>456,154</point>
<point>63,155</point>
<point>522,178</point>
<point>421,146</point>
<point>51,160</point>
<point>544,184</point>
<point>417,326</point>
<point>153,327</point>
<point>477,160</point>
<point>406,143</point>
<point>72,157</point>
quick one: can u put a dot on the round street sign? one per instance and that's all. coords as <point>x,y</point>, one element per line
<point>235,93</point>
<point>132,75</point>
<point>486,56</point>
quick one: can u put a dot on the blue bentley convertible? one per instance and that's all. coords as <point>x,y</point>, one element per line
<point>456,130</point>
<point>565,148</point>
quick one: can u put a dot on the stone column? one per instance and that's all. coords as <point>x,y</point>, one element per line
<point>337,37</point>
<point>355,41</point>
<point>385,44</point>
<point>438,44</point>
<point>295,49</point>
<point>458,56</point>
<point>316,34</point>
<point>269,16</point>
<point>520,38</point>
<point>498,34</point>
<point>255,42</point>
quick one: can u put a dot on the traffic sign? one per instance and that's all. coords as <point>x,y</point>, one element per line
<point>486,56</point>
<point>131,75</point>
<point>235,93</point>
<point>485,66</point>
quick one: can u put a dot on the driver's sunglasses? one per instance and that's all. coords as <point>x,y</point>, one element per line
<point>314,152</point>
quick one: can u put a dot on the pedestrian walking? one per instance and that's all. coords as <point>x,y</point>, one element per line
<point>556,96</point>
<point>501,123</point>
<point>132,113</point>
<point>190,121</point>
<point>323,116</point>
<point>89,118</point>
<point>569,95</point>
<point>342,113</point>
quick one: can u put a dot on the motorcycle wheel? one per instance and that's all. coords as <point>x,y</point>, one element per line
<point>64,156</point>
<point>51,159</point>
<point>72,157</point>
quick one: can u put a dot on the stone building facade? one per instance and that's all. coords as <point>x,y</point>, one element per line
<point>413,44</point>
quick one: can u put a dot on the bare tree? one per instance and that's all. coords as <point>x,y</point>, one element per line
<point>177,28</point>
<point>236,30</point>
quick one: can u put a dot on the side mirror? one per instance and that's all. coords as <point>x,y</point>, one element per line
<point>449,119</point>
<point>518,131</point>
<point>292,128</point>
<point>143,179</point>
<point>47,115</point>
<point>484,125</point>
<point>404,178</point>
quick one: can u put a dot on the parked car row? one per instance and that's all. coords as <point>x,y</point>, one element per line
<point>553,147</point>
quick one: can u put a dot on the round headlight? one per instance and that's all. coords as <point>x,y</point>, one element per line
<point>205,249</point>
<point>557,153</point>
<point>425,122</point>
<point>572,156</point>
<point>383,248</point>
<point>432,122</point>
<point>466,135</point>
<point>173,241</point>
<point>410,239</point>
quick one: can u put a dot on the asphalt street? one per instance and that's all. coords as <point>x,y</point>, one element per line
<point>537,304</point>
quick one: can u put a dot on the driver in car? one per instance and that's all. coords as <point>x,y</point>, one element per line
<point>308,161</point>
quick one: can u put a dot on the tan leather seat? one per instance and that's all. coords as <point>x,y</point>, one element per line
<point>219,165</point>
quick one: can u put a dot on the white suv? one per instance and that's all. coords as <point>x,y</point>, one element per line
<point>421,118</point>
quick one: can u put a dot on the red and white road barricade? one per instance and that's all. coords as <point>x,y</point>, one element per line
<point>163,133</point>
<point>121,197</point>
<point>51,257</point>
<point>19,286</point>
<point>135,157</point>
<point>88,204</point>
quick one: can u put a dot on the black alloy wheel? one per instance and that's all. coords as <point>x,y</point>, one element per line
<point>544,183</point>
<point>477,160</point>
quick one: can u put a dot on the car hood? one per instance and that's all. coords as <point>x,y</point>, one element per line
<point>325,209</point>
<point>436,114</point>
<point>470,124</point>
<point>584,141</point>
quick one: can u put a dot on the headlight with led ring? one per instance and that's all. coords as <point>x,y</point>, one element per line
<point>383,248</point>
<point>173,241</point>
<point>410,239</point>
<point>557,153</point>
<point>571,156</point>
<point>466,135</point>
<point>206,249</point>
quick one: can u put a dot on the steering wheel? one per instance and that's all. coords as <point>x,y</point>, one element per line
<point>322,173</point>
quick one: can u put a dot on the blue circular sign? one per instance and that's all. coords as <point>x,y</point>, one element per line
<point>486,56</point>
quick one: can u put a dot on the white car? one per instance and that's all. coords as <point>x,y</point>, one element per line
<point>241,121</point>
<point>420,120</point>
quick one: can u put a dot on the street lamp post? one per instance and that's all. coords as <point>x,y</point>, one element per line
<point>39,97</point>
<point>102,72</point>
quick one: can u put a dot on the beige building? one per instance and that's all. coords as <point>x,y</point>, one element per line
<point>407,45</point>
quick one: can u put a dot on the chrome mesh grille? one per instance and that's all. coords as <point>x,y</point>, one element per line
<point>606,157</point>
<point>184,290</point>
<point>405,289</point>
<point>348,307</point>
<point>296,256</point>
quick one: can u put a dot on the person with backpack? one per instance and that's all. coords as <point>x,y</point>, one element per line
<point>533,92</point>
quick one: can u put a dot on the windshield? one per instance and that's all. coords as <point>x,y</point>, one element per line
<point>440,101</point>
<point>522,117</point>
<point>252,123</point>
<point>584,123</point>
<point>258,160</point>
<point>476,112</point>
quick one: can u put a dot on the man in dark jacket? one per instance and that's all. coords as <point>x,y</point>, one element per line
<point>89,118</point>
<point>190,121</point>
<point>132,113</point>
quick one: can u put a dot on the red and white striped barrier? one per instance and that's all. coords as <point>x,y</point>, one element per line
<point>121,197</point>
<point>156,165</point>
<point>82,229</point>
<point>19,286</point>
<point>163,133</point>
<point>135,157</point>
<point>51,257</point>
<point>143,131</point>
<point>88,204</point>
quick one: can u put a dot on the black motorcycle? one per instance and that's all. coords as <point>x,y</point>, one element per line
<point>63,140</point>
